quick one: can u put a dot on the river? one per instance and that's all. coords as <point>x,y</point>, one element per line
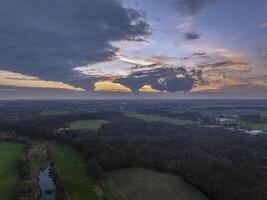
<point>47,185</point>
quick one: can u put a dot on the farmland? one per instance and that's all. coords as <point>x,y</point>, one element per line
<point>260,126</point>
<point>87,124</point>
<point>143,184</point>
<point>74,173</point>
<point>54,112</point>
<point>132,183</point>
<point>9,154</point>
<point>129,183</point>
<point>156,118</point>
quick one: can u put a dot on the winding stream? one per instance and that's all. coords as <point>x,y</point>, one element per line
<point>47,185</point>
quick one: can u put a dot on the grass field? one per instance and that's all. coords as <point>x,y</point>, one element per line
<point>262,127</point>
<point>73,171</point>
<point>143,184</point>
<point>122,184</point>
<point>9,155</point>
<point>87,124</point>
<point>155,118</point>
<point>54,112</point>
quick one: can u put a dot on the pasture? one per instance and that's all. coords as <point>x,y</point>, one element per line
<point>9,155</point>
<point>156,118</point>
<point>144,184</point>
<point>260,126</point>
<point>73,171</point>
<point>54,112</point>
<point>93,125</point>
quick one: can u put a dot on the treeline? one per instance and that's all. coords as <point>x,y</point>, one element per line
<point>224,165</point>
<point>34,157</point>
<point>28,186</point>
<point>43,127</point>
<point>12,137</point>
<point>59,184</point>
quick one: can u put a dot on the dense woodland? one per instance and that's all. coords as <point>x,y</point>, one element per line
<point>224,165</point>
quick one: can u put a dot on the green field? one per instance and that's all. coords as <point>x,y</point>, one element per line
<point>156,118</point>
<point>54,112</point>
<point>122,184</point>
<point>74,172</point>
<point>87,124</point>
<point>262,127</point>
<point>9,155</point>
<point>144,184</point>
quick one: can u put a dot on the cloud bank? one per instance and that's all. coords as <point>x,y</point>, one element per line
<point>47,39</point>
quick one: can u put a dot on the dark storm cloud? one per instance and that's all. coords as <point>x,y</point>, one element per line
<point>191,7</point>
<point>163,79</point>
<point>192,35</point>
<point>49,38</point>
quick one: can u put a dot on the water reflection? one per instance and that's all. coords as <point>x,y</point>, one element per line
<point>47,185</point>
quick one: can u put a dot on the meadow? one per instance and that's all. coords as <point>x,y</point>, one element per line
<point>156,118</point>
<point>74,173</point>
<point>144,184</point>
<point>122,184</point>
<point>9,180</point>
<point>260,126</point>
<point>87,124</point>
<point>54,112</point>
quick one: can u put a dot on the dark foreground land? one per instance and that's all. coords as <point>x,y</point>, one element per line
<point>184,150</point>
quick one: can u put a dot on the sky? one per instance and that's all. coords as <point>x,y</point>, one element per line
<point>90,49</point>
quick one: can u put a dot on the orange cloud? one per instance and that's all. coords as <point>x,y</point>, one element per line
<point>20,80</point>
<point>109,86</point>
<point>216,85</point>
<point>148,89</point>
